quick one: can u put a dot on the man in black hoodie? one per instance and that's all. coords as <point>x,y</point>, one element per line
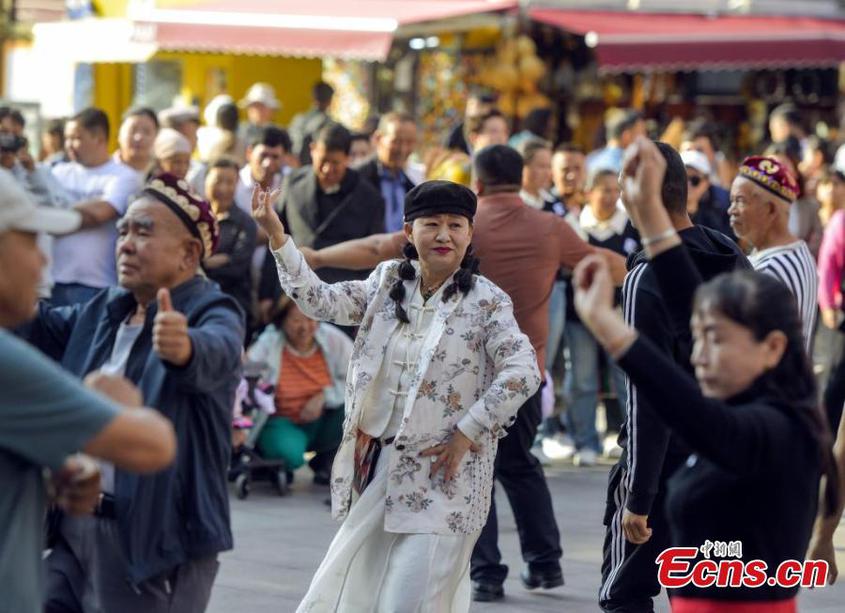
<point>636,526</point>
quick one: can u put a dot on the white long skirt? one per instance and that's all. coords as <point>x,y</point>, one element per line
<point>368,570</point>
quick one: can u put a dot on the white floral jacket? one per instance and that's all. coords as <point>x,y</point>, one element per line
<point>475,370</point>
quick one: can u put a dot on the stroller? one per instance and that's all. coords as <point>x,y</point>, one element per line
<point>253,407</point>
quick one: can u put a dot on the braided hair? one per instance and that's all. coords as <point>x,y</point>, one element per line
<point>463,280</point>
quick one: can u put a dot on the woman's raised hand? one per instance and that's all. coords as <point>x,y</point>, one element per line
<point>593,288</point>
<point>266,217</point>
<point>643,168</point>
<point>594,303</point>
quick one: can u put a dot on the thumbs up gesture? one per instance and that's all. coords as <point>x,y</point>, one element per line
<point>170,332</point>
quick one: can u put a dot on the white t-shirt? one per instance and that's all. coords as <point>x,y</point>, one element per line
<point>87,257</point>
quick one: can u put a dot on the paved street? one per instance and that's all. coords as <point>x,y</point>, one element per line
<point>280,541</point>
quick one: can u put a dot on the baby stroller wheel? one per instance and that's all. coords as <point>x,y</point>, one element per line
<point>242,486</point>
<point>280,480</point>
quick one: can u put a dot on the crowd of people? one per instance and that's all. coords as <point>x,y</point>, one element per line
<point>405,310</point>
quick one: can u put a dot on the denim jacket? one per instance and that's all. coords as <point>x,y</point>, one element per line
<point>180,513</point>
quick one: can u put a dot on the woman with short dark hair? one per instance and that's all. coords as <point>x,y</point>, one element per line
<point>760,441</point>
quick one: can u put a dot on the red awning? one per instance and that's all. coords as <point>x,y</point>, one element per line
<point>633,41</point>
<point>354,29</point>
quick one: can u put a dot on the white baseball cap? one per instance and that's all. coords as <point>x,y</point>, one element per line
<point>262,93</point>
<point>697,161</point>
<point>18,211</point>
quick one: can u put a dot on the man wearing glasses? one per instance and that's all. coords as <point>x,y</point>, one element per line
<point>707,204</point>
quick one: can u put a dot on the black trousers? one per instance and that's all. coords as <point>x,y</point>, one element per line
<point>628,572</point>
<point>834,391</point>
<point>519,472</point>
<point>85,573</point>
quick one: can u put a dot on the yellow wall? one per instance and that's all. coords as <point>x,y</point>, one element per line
<point>110,8</point>
<point>292,78</point>
<point>113,93</point>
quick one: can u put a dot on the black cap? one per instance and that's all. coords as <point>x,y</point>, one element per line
<point>439,198</point>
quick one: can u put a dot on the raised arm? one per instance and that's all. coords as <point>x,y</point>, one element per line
<point>747,441</point>
<point>643,173</point>
<point>342,303</point>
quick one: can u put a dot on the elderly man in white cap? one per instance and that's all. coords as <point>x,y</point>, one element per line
<point>185,120</point>
<point>261,104</point>
<point>707,204</point>
<point>172,152</point>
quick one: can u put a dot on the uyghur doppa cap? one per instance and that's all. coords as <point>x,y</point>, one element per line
<point>771,175</point>
<point>192,210</point>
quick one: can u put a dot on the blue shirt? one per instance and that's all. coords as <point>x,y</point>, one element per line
<point>609,158</point>
<point>393,192</point>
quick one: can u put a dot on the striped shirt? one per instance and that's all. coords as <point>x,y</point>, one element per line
<point>794,266</point>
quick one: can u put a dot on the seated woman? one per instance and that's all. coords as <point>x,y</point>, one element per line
<point>307,361</point>
<point>752,419</point>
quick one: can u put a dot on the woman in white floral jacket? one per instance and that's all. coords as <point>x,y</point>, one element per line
<point>438,371</point>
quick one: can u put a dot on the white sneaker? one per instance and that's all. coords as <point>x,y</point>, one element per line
<point>558,448</point>
<point>611,448</point>
<point>537,452</point>
<point>585,457</point>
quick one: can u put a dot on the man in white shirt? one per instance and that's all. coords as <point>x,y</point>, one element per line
<point>99,188</point>
<point>760,199</point>
<point>265,155</point>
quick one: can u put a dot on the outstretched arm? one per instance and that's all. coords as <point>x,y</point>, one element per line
<point>360,253</point>
<point>742,442</point>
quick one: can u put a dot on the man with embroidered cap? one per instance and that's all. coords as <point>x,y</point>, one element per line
<point>761,196</point>
<point>153,543</point>
<point>48,415</point>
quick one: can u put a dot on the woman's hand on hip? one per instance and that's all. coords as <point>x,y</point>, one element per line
<point>449,455</point>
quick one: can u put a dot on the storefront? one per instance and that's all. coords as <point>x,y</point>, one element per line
<point>733,69</point>
<point>148,52</point>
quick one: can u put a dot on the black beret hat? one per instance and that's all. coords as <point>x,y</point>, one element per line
<point>438,198</point>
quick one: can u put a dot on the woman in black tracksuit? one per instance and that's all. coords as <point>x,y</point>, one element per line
<point>759,439</point>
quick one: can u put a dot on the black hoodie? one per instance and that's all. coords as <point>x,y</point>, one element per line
<point>651,452</point>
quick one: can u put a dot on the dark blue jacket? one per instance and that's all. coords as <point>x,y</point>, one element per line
<point>181,513</point>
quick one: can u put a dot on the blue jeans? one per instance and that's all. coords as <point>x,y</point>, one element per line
<point>557,322</point>
<point>69,294</point>
<point>554,345</point>
<point>582,385</point>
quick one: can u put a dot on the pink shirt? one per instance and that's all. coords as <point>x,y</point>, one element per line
<point>832,262</point>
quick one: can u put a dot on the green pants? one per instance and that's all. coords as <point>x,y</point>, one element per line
<point>281,439</point>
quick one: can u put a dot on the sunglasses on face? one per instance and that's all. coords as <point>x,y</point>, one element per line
<point>694,180</point>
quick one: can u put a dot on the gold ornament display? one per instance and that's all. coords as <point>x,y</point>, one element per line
<point>515,72</point>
